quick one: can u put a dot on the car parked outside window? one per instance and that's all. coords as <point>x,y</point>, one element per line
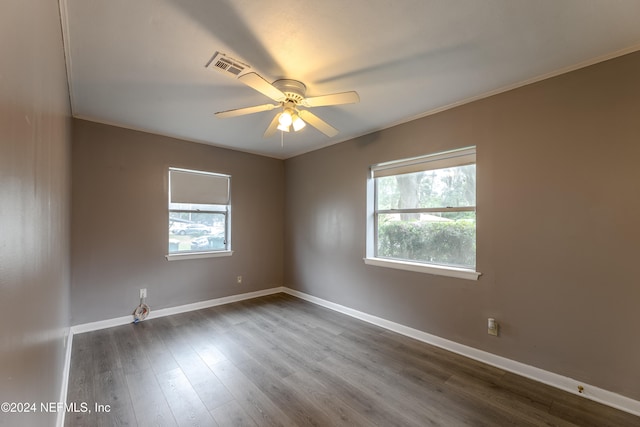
<point>214,242</point>
<point>192,229</point>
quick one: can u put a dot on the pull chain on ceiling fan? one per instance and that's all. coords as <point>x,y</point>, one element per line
<point>290,97</point>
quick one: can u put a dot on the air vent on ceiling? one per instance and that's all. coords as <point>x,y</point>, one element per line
<point>225,64</point>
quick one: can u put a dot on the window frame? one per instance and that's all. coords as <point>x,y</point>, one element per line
<point>195,254</point>
<point>441,160</point>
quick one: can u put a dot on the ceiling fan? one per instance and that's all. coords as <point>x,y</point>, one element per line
<point>289,96</point>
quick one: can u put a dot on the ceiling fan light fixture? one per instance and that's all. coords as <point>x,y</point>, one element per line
<point>285,118</point>
<point>298,123</point>
<point>283,127</point>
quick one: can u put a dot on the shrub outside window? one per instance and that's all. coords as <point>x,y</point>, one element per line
<point>424,211</point>
<point>199,212</point>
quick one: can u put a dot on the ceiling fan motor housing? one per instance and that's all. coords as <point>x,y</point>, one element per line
<point>293,89</point>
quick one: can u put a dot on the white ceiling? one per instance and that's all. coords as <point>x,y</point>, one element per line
<point>141,64</point>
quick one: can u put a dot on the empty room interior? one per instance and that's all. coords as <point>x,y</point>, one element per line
<point>372,213</point>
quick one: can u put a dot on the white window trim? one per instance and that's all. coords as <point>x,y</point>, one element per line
<point>208,254</point>
<point>439,270</point>
<point>196,255</point>
<point>439,160</point>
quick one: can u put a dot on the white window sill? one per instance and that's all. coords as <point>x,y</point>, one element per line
<point>196,255</point>
<point>440,270</point>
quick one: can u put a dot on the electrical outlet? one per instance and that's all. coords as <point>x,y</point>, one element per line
<point>143,293</point>
<point>492,327</point>
<point>239,279</point>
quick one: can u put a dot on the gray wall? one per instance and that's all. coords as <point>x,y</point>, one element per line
<point>120,223</point>
<point>558,188</point>
<point>35,142</point>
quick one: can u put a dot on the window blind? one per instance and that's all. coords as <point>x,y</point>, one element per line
<point>195,187</point>
<point>459,157</point>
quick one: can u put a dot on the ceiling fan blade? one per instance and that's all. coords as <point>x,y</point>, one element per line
<point>264,87</point>
<point>247,110</point>
<point>318,123</point>
<point>333,99</point>
<point>273,127</point>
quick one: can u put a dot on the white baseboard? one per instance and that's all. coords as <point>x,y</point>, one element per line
<point>153,314</point>
<point>570,385</point>
<point>65,375</point>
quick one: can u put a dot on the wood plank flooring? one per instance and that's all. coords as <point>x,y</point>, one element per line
<point>281,361</point>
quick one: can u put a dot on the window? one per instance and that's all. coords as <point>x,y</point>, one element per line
<point>422,214</point>
<point>199,214</point>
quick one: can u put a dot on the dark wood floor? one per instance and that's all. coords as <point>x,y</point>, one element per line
<point>281,361</point>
